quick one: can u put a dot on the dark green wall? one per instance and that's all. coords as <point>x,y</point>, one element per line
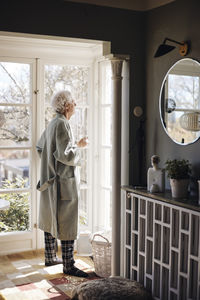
<point>179,21</point>
<point>125,29</point>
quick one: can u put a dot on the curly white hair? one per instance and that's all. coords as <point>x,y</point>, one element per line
<point>60,99</point>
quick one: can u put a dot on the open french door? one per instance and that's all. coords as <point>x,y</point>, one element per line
<point>17,153</point>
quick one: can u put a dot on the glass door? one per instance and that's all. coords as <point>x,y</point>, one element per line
<point>75,79</point>
<point>17,173</point>
<point>104,146</point>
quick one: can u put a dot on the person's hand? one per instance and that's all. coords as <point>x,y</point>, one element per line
<point>82,142</point>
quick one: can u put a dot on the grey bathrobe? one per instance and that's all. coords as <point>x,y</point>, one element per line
<point>58,185</point>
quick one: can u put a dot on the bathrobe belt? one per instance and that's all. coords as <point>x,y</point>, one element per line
<point>45,185</point>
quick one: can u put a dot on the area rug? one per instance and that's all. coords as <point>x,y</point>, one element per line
<point>29,279</point>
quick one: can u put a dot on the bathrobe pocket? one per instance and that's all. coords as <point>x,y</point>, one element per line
<point>68,188</point>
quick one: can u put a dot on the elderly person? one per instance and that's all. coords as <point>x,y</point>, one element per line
<point>58,216</point>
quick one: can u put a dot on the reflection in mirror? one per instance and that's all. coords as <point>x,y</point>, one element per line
<point>180,102</point>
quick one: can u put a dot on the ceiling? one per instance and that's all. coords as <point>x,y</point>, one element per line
<point>141,5</point>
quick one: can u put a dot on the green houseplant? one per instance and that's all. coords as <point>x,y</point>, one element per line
<point>178,170</point>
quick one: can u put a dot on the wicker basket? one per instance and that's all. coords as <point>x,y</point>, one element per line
<point>101,251</point>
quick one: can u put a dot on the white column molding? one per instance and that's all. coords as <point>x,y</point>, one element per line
<point>116,64</point>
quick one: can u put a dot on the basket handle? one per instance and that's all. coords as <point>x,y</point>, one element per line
<point>97,234</point>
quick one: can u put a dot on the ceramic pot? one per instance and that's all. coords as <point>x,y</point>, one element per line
<point>179,187</point>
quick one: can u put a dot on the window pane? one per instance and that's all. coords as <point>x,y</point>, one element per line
<point>83,205</point>
<point>71,78</point>
<point>79,123</point>
<point>16,218</point>
<point>106,126</point>
<point>83,169</point>
<point>14,169</point>
<point>49,115</point>
<point>14,82</point>
<point>106,170</point>
<point>105,143</point>
<point>105,73</point>
<point>188,91</point>
<point>106,198</point>
<point>75,80</point>
<point>15,126</point>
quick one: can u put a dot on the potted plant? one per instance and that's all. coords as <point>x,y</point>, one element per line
<point>179,173</point>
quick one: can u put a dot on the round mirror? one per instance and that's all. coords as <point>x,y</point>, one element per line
<point>180,102</point>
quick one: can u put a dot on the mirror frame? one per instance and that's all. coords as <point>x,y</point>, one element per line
<point>160,100</point>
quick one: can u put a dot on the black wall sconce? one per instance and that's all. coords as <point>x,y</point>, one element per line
<point>165,48</point>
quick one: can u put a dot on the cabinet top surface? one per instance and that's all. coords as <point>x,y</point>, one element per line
<point>189,203</point>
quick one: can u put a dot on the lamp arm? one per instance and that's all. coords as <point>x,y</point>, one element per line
<point>166,39</point>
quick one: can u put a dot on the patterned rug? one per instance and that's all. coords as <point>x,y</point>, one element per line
<point>24,277</point>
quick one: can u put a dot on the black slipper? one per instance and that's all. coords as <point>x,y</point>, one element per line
<point>75,272</point>
<point>56,261</point>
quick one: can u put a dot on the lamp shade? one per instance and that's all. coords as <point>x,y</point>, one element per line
<point>190,121</point>
<point>163,49</point>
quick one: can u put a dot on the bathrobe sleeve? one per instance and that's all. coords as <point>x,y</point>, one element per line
<point>40,145</point>
<point>66,152</point>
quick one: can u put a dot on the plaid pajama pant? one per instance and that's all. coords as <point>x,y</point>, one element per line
<point>67,250</point>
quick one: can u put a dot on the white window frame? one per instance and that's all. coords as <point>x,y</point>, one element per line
<point>24,240</point>
<point>99,224</point>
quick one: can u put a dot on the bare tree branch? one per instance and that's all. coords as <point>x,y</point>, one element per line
<point>13,79</point>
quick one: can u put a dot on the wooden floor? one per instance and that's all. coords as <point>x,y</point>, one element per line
<point>23,276</point>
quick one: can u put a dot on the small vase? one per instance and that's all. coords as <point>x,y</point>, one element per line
<point>179,187</point>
